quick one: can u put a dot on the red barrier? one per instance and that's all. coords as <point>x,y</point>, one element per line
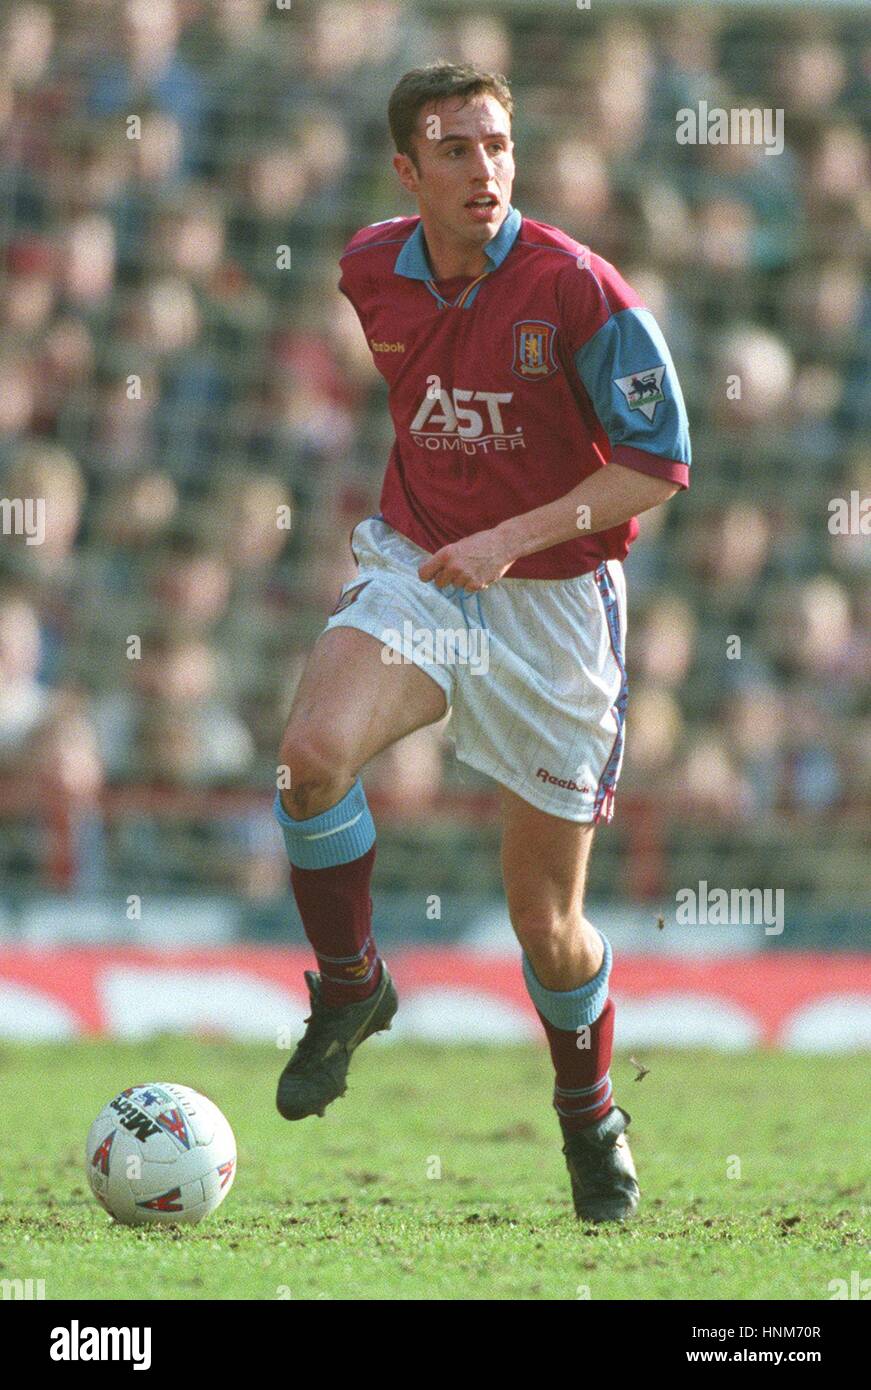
<point>813,1002</point>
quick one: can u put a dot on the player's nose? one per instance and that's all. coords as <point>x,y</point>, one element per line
<point>485,167</point>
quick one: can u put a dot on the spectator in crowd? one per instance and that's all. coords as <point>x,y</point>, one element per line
<point>46,476</point>
<point>173,687</point>
<point>24,699</point>
<point>144,63</point>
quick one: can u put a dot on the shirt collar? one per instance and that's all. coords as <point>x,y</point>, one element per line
<point>412,261</point>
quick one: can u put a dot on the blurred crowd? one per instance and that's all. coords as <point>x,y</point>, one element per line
<point>183,385</point>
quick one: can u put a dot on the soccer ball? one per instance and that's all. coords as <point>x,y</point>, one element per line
<point>160,1154</point>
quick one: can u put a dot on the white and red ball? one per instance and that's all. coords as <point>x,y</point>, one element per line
<point>160,1154</point>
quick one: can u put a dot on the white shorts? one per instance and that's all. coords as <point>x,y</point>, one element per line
<point>532,669</point>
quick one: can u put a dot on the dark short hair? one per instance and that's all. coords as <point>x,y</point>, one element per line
<point>422,86</point>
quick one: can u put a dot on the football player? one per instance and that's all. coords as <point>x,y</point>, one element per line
<point>536,412</point>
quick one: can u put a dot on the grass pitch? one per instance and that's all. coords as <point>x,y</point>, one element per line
<point>352,1206</point>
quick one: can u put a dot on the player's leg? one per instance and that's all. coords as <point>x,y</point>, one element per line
<point>544,870</point>
<point>566,964</point>
<point>349,706</point>
<point>565,959</point>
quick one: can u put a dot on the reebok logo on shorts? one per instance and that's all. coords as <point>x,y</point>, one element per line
<point>560,781</point>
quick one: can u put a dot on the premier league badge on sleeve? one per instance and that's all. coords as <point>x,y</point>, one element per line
<point>643,390</point>
<point>533,350</point>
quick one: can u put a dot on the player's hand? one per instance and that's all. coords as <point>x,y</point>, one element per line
<point>471,564</point>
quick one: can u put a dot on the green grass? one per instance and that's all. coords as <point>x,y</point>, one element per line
<point>344,1208</point>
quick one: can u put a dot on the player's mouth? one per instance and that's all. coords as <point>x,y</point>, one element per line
<point>483,207</point>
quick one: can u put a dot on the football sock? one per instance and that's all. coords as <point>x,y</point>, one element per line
<point>579,1024</point>
<point>331,857</point>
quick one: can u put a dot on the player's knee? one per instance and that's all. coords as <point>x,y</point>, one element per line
<point>543,929</point>
<point>538,926</point>
<point>317,762</point>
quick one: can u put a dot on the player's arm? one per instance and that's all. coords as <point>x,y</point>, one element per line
<point>609,498</point>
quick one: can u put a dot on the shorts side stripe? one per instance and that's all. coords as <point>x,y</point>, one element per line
<point>603,803</point>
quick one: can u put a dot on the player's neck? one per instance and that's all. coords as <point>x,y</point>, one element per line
<point>450,258</point>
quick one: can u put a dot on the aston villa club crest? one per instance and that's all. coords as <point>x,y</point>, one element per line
<point>643,390</point>
<point>534,350</point>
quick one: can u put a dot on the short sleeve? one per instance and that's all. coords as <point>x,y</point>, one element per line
<point>629,376</point>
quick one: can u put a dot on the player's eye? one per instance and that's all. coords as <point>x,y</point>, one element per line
<point>496,146</point>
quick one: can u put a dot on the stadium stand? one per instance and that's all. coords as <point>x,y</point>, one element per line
<point>169,384</point>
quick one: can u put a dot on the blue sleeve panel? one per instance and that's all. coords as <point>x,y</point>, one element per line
<point>627,371</point>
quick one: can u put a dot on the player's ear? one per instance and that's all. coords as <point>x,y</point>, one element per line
<point>406,172</point>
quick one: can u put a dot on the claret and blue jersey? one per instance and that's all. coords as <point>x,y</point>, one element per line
<point>508,388</point>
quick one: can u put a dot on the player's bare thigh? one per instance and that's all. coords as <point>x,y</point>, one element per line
<point>544,871</point>
<point>349,705</point>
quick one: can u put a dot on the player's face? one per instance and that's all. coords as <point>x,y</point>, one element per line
<point>465,167</point>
